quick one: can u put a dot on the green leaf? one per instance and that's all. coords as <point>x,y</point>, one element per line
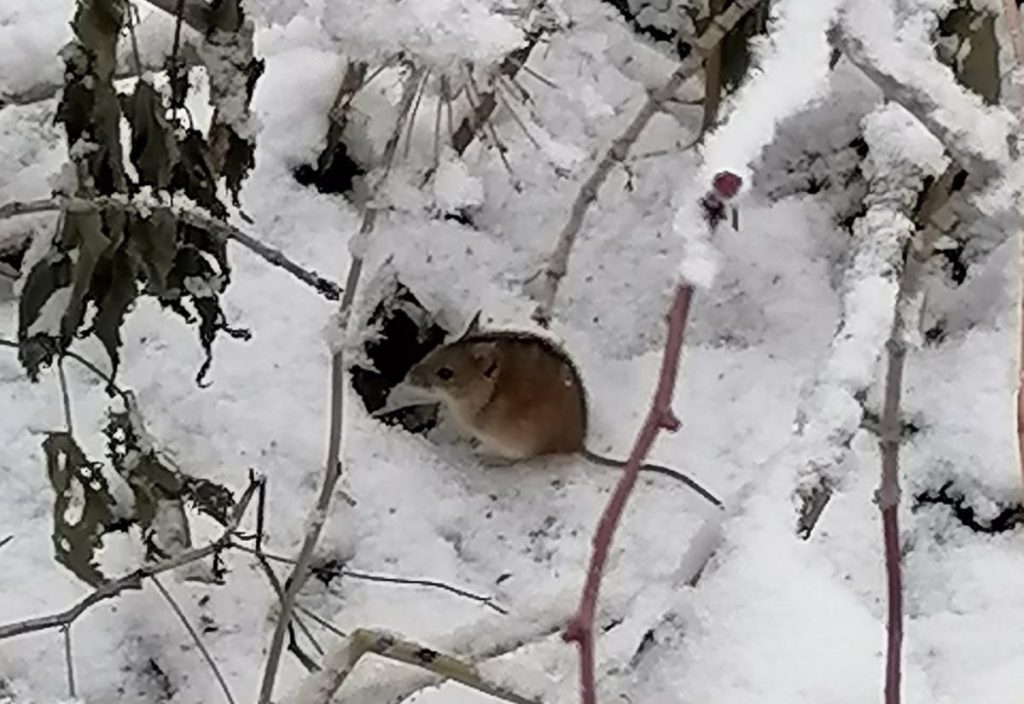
<point>82,509</point>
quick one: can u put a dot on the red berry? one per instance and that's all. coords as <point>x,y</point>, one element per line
<point>726,184</point>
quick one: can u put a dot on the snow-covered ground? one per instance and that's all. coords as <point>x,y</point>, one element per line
<point>774,619</point>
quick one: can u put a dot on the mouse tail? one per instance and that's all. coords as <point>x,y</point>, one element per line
<point>657,469</point>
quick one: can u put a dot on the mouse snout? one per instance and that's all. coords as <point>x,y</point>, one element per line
<point>418,377</point>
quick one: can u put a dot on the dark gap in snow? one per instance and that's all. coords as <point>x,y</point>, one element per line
<point>461,216</point>
<point>953,264</point>
<point>402,339</point>
<point>658,34</point>
<point>334,172</point>
<point>1008,519</point>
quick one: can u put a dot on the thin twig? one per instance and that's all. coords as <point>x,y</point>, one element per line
<point>447,98</point>
<point>342,660</point>
<point>134,579</point>
<point>499,88</point>
<point>17,208</point>
<point>332,471</point>
<point>327,288</point>
<point>888,495</point>
<point>65,397</point>
<point>712,77</point>
<point>487,601</point>
<point>415,109</point>
<point>5,541</point>
<point>485,104</point>
<point>85,363</point>
<point>327,625</point>
<point>195,638</point>
<point>558,262</point>
<point>580,629</point>
<point>132,17</point>
<point>275,584</point>
<point>480,104</point>
<point>69,661</point>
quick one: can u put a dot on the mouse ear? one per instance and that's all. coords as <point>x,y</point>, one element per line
<point>485,354</point>
<point>473,328</point>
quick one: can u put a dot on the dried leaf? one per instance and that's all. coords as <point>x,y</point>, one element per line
<point>82,509</point>
<point>153,245</point>
<point>118,292</point>
<point>154,149</point>
<point>44,280</point>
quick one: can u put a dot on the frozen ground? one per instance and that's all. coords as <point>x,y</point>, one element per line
<point>773,620</point>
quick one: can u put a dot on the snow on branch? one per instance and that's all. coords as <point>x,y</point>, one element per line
<point>901,154</point>
<point>791,74</point>
<point>134,579</point>
<point>339,663</point>
<point>909,74</point>
<point>558,262</point>
<point>196,218</point>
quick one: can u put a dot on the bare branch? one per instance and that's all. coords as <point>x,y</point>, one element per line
<point>275,257</point>
<point>69,661</point>
<point>916,99</point>
<point>65,397</point>
<point>134,579</point>
<point>320,688</point>
<point>195,637</point>
<point>332,471</point>
<point>558,262</point>
<point>195,13</point>
<point>580,629</point>
<point>480,114</point>
<point>487,601</point>
<point>16,208</point>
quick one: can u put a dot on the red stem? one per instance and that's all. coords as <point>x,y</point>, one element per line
<point>889,503</point>
<point>580,629</point>
<point>660,417</point>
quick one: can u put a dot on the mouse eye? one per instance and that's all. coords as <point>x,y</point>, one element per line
<point>444,373</point>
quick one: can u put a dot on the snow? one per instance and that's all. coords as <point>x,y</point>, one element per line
<point>773,618</point>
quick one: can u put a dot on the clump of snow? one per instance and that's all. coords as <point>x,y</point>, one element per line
<point>441,34</point>
<point>454,187</point>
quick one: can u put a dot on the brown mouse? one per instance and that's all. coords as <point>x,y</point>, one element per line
<point>518,394</point>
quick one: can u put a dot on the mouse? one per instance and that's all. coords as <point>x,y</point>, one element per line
<point>518,395</point>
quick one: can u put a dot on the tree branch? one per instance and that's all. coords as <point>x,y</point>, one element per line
<point>341,660</point>
<point>580,629</point>
<point>332,472</point>
<point>275,257</point>
<point>558,262</point>
<point>487,601</point>
<point>195,638</point>
<point>134,579</point>
<point>195,13</point>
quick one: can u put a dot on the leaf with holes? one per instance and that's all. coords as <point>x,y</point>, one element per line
<point>83,507</point>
